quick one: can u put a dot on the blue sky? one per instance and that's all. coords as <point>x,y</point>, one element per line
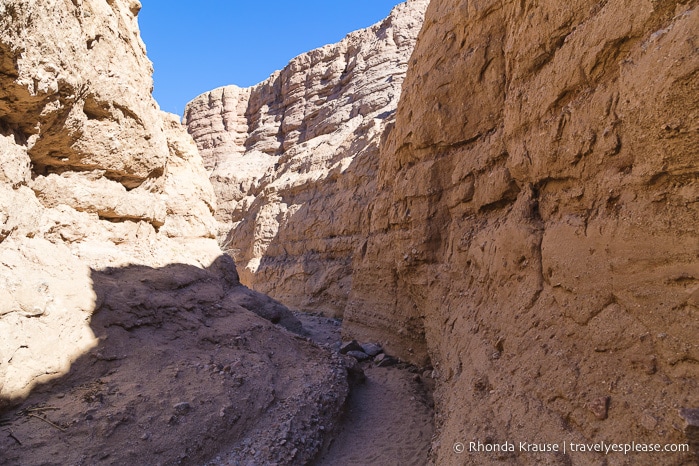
<point>198,46</point>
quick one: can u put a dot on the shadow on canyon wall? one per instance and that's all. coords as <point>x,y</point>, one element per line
<point>331,249</point>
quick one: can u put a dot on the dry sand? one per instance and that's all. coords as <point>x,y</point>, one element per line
<point>388,418</point>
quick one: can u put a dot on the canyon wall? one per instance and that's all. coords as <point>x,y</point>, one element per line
<point>537,215</point>
<point>112,284</point>
<point>529,225</point>
<point>92,176</point>
<point>293,160</point>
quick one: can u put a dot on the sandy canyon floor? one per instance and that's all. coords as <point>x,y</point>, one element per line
<point>145,399</point>
<point>388,416</point>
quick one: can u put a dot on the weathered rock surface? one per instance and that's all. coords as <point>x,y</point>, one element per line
<point>114,294</point>
<point>73,96</point>
<point>293,160</point>
<point>532,228</point>
<point>536,219</point>
<point>72,202</point>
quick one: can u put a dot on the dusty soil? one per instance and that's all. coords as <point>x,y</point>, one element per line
<point>388,418</point>
<point>180,377</point>
<point>155,391</point>
<point>388,421</point>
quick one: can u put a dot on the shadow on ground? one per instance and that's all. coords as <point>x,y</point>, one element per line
<point>183,373</point>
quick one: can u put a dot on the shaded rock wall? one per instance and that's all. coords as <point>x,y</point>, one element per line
<point>293,160</point>
<point>536,219</point>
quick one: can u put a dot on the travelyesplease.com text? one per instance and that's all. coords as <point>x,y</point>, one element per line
<point>565,447</point>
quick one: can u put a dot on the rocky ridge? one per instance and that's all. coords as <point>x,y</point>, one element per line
<point>293,160</point>
<point>531,229</point>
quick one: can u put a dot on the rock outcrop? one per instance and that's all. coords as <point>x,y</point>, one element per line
<point>531,229</point>
<point>93,176</point>
<point>293,160</point>
<point>110,274</point>
<point>179,356</point>
<point>74,96</point>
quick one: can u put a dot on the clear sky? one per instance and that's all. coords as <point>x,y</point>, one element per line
<point>198,46</point>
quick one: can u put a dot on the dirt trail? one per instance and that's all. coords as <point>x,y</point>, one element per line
<point>388,418</point>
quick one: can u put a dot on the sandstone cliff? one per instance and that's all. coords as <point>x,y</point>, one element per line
<point>293,160</point>
<point>537,219</point>
<point>531,229</point>
<point>112,284</point>
<point>92,176</point>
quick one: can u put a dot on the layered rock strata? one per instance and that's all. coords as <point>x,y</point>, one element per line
<point>293,160</point>
<point>109,266</point>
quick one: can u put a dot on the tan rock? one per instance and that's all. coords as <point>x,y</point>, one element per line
<point>293,158</point>
<point>76,105</point>
<point>189,196</point>
<point>531,231</point>
<point>537,200</point>
<point>111,280</point>
<point>45,312</point>
<point>75,93</point>
<point>91,192</point>
<point>14,162</point>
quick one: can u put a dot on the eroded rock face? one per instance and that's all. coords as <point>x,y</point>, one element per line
<point>293,160</point>
<point>93,175</point>
<point>110,274</point>
<point>74,95</point>
<point>536,219</point>
<point>532,229</point>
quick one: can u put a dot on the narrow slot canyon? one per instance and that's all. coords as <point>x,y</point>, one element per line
<point>466,234</point>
